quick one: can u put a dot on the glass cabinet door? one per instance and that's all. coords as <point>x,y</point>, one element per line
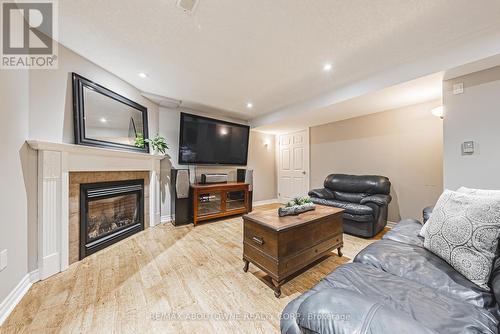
<point>235,200</point>
<point>209,203</point>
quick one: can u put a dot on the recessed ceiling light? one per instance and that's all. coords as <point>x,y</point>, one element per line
<point>327,67</point>
<point>249,105</point>
<point>143,75</point>
<point>103,120</point>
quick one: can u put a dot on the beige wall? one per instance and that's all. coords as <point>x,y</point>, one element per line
<point>261,158</point>
<point>14,111</point>
<point>403,144</point>
<point>473,115</point>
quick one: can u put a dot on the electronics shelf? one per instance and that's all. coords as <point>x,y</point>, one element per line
<point>218,200</point>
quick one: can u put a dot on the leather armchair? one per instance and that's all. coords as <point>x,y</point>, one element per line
<point>365,199</point>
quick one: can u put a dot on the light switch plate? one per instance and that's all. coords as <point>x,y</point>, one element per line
<point>458,88</point>
<point>468,147</point>
<point>3,259</point>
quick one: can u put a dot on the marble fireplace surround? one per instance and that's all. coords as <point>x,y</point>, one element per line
<point>61,168</point>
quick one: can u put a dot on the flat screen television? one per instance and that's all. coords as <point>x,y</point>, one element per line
<point>208,141</point>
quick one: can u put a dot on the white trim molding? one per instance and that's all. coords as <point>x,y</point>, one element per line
<point>166,219</point>
<point>266,201</point>
<point>55,162</point>
<point>15,296</point>
<point>391,224</point>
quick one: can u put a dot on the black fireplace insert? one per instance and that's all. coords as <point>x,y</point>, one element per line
<point>109,212</point>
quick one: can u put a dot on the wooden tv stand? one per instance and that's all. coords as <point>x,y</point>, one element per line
<point>216,200</point>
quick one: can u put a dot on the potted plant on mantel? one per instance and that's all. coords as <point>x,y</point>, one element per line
<point>158,143</point>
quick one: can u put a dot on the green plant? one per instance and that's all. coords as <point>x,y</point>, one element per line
<point>298,201</point>
<point>139,140</point>
<point>158,143</point>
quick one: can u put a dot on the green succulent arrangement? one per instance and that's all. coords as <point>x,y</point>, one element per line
<point>158,143</point>
<point>298,201</point>
<point>296,206</point>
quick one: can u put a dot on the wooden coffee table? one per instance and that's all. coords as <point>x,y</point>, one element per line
<point>282,246</point>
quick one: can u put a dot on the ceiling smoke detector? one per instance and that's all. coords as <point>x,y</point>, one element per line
<point>188,6</point>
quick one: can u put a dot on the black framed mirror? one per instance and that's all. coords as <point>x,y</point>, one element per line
<point>104,118</point>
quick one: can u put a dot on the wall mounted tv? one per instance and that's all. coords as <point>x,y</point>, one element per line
<point>208,141</point>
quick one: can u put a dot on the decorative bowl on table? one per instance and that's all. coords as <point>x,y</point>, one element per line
<point>296,206</point>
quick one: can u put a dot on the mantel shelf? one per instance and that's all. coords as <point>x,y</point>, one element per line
<point>89,150</point>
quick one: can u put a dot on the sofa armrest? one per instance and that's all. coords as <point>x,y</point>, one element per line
<point>427,213</point>
<point>495,279</point>
<point>321,193</point>
<point>380,200</point>
<point>341,311</point>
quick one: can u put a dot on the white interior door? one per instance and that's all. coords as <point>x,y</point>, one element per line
<point>293,169</point>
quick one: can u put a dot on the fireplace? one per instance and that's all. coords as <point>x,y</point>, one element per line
<point>109,212</point>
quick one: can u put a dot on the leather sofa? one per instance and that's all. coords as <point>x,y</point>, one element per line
<point>365,199</point>
<point>396,286</point>
<point>426,214</point>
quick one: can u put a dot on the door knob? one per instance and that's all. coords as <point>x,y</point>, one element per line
<point>304,172</point>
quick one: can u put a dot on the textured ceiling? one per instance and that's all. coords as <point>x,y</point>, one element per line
<point>425,89</point>
<point>229,52</point>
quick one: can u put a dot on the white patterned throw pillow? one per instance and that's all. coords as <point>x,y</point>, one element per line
<point>479,192</point>
<point>468,191</point>
<point>463,230</point>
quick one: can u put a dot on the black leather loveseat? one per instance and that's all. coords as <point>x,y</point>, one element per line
<point>396,286</point>
<point>364,198</point>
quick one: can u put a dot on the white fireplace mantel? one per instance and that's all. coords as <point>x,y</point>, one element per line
<point>55,162</point>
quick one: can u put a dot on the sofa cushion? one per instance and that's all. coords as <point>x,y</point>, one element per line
<point>427,212</point>
<point>368,184</point>
<point>321,193</point>
<point>352,208</point>
<point>341,311</point>
<point>357,218</point>
<point>464,230</point>
<point>417,264</point>
<point>406,231</point>
<point>380,200</point>
<point>288,319</point>
<point>436,311</point>
<point>349,197</point>
<point>495,280</point>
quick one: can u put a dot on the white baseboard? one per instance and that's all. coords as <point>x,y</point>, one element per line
<point>165,219</point>
<point>391,224</point>
<point>34,276</point>
<point>266,201</point>
<point>15,296</point>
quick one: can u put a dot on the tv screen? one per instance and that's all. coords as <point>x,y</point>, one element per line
<point>210,141</point>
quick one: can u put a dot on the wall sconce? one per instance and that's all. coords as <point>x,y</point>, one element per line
<point>267,142</point>
<point>438,112</point>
